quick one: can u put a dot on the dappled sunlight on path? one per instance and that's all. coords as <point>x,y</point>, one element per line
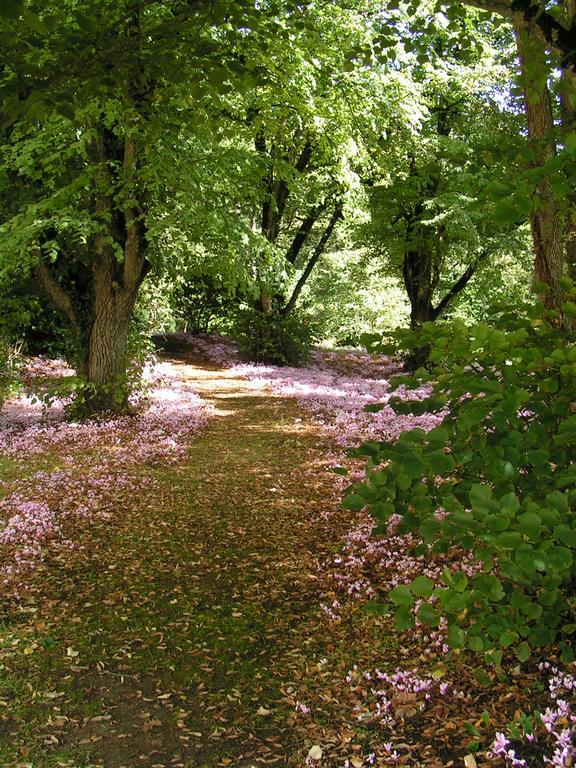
<point>212,607</point>
<point>179,620</point>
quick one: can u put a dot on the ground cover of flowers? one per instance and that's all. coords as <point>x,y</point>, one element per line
<point>80,469</point>
<point>189,593</point>
<point>334,389</point>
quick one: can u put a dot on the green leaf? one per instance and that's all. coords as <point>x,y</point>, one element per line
<point>508,539</point>
<point>11,9</point>
<point>441,463</point>
<point>480,495</point>
<point>404,618</point>
<point>505,212</point>
<point>427,614</point>
<point>438,437</point>
<point>559,559</point>
<point>87,23</point>
<point>401,595</point>
<point>523,652</point>
<point>456,637</point>
<point>453,601</point>
<point>495,657</point>
<point>33,21</point>
<point>413,467</point>
<point>422,586</point>
<point>374,407</point>
<point>566,652</point>
<point>508,638</point>
<point>570,142</point>
<point>354,502</point>
<point>490,586</point>
<point>459,581</point>
<point>530,524</point>
<point>476,643</point>
<point>375,608</point>
<point>482,678</point>
<point>429,528</point>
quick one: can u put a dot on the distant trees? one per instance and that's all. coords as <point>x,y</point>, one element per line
<point>545,35</point>
<point>433,220</point>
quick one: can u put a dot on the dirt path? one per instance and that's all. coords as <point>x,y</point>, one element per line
<point>182,635</point>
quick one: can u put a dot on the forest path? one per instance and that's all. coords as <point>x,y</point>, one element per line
<point>186,633</point>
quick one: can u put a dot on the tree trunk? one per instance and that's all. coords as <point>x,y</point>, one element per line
<point>417,274</point>
<point>545,218</point>
<point>108,388</point>
<point>276,194</point>
<point>568,118</point>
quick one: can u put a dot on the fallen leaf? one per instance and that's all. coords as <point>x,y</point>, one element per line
<point>315,752</point>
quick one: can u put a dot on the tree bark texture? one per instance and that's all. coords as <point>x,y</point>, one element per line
<point>568,118</point>
<point>111,285</point>
<point>546,217</point>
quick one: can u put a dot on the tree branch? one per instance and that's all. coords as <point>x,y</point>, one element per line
<point>318,251</point>
<point>458,286</point>
<point>303,233</point>
<point>560,38</point>
<point>59,297</point>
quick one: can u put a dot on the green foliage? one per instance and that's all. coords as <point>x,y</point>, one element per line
<point>348,295</point>
<point>202,304</point>
<point>9,366</point>
<point>274,338</point>
<point>432,223</point>
<point>497,478</point>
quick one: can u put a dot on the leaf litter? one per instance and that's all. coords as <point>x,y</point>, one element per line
<point>187,628</point>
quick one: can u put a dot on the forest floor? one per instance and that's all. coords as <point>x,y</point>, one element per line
<point>186,629</point>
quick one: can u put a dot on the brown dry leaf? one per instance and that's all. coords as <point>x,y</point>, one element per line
<point>150,725</point>
<point>406,705</point>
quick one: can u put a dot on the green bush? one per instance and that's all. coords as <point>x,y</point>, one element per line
<point>274,338</point>
<point>501,469</point>
<point>202,304</point>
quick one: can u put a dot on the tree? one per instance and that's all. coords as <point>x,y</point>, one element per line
<point>546,219</point>
<point>554,25</point>
<point>106,106</point>
<point>543,29</point>
<point>546,186</point>
<point>308,125</point>
<point>431,219</point>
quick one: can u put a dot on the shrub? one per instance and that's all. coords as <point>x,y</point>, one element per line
<point>274,338</point>
<point>202,304</point>
<point>496,478</point>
